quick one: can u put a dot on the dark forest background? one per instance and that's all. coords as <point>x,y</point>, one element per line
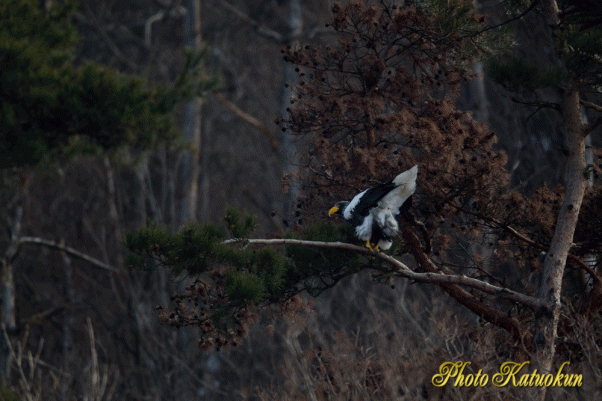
<point>88,330</point>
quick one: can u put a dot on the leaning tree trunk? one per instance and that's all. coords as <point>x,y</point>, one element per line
<point>546,325</point>
<point>544,340</point>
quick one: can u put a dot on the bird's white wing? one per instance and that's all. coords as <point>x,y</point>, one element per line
<point>406,185</point>
<point>347,213</point>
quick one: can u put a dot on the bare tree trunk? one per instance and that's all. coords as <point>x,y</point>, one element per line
<point>546,324</point>
<point>295,22</point>
<point>67,318</point>
<point>189,173</point>
<point>477,86</point>
<point>9,320</point>
<point>113,213</point>
<point>189,183</point>
<point>547,318</point>
<point>192,130</point>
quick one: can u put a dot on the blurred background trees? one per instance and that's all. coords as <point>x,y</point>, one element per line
<point>88,200</point>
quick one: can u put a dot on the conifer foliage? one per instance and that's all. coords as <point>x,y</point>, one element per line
<point>382,99</point>
<point>50,105</point>
<point>232,277</point>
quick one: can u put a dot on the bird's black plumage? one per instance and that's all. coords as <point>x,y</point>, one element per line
<point>373,211</point>
<point>372,196</point>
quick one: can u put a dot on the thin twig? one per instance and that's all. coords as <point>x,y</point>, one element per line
<point>529,241</point>
<point>506,22</point>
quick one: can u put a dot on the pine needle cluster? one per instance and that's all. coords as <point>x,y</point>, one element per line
<point>232,279</point>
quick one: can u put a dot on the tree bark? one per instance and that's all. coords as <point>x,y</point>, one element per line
<point>547,317</point>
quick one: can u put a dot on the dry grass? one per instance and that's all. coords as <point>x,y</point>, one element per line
<point>397,350</point>
<point>361,342</point>
<point>42,381</point>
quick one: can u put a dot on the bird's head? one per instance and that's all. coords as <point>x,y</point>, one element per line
<point>338,208</point>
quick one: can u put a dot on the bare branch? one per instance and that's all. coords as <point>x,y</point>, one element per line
<point>108,41</point>
<point>247,118</point>
<point>38,318</point>
<point>404,271</point>
<point>148,24</point>
<point>474,304</point>
<point>508,21</point>
<point>588,128</point>
<point>572,258</point>
<point>590,105</point>
<point>69,250</point>
<point>320,31</point>
<point>259,28</point>
<point>538,103</point>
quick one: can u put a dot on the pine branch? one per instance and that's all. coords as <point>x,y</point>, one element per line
<point>404,271</point>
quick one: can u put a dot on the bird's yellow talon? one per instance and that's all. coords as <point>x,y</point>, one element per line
<point>375,249</point>
<point>369,246</point>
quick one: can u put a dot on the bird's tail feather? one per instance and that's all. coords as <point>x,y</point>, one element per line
<point>407,178</point>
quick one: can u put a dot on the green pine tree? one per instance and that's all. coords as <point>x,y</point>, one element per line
<point>49,105</point>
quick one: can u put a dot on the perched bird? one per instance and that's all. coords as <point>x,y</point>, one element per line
<point>372,212</point>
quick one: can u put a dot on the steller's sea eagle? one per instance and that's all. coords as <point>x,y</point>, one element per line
<point>373,211</point>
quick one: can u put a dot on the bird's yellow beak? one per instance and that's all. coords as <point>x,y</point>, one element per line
<point>333,210</point>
